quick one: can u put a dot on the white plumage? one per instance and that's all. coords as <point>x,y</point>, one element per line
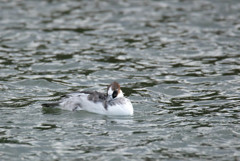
<point>111,103</point>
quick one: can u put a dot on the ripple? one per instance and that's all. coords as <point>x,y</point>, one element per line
<point>177,61</point>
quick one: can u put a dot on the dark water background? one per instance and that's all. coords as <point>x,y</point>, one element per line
<point>178,61</point>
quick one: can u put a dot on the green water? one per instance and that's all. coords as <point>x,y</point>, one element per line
<point>177,61</point>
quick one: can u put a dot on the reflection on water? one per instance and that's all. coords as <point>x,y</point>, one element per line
<point>178,61</point>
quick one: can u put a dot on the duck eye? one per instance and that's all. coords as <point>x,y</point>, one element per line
<point>115,93</point>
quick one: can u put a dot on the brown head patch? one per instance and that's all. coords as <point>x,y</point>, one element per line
<point>115,87</point>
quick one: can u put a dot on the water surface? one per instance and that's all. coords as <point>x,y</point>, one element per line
<point>178,61</point>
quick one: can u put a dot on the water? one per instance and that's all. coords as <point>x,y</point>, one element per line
<point>178,61</point>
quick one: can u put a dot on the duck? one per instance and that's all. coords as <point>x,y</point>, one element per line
<point>112,102</point>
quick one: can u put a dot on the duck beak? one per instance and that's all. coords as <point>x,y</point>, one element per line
<point>109,98</point>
